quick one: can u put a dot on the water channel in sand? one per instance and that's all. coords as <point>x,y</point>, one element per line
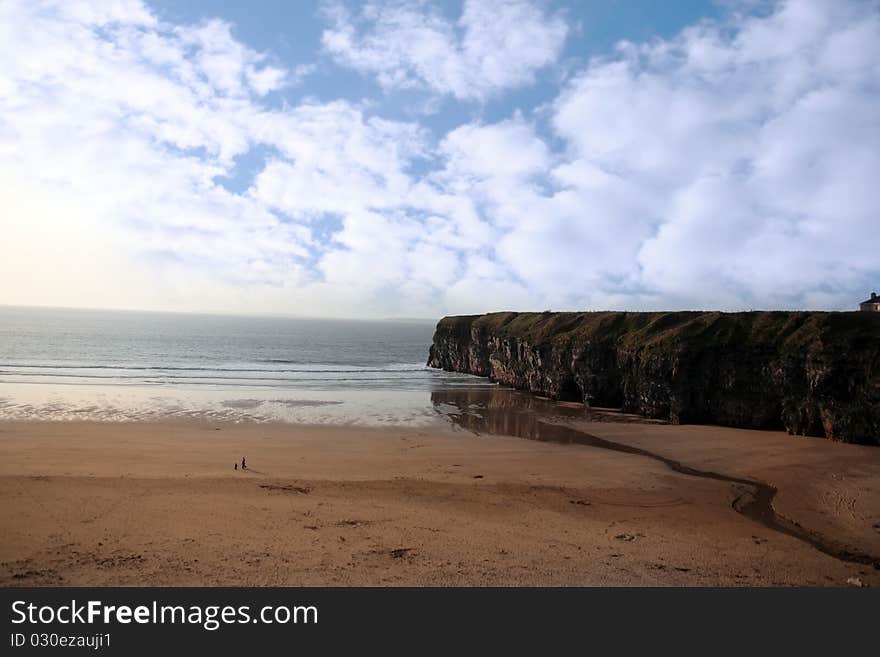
<point>507,412</point>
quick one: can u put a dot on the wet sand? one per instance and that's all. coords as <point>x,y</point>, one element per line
<point>160,504</point>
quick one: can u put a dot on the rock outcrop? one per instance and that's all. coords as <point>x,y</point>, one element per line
<point>811,373</point>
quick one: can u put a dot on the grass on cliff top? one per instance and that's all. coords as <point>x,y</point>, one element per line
<point>779,329</point>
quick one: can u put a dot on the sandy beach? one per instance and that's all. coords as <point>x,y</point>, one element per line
<point>160,504</point>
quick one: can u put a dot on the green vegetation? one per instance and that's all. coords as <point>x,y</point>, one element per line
<point>783,329</point>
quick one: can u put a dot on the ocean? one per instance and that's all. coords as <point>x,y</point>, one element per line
<point>61,364</point>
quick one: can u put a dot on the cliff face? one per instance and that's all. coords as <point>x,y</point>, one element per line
<point>811,373</point>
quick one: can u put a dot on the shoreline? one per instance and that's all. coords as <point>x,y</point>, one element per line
<point>122,503</point>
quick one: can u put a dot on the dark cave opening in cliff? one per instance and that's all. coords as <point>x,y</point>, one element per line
<point>570,391</point>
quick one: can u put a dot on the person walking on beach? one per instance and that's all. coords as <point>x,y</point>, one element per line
<point>235,466</point>
<point>243,463</point>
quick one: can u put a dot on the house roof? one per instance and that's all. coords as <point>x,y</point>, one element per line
<point>873,299</point>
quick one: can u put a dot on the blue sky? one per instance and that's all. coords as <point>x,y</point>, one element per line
<point>291,33</point>
<point>419,159</point>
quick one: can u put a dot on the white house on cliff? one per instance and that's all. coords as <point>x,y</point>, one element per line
<point>872,305</point>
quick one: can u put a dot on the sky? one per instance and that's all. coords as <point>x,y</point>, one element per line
<point>418,159</point>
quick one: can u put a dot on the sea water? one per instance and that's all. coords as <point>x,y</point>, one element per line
<point>61,364</point>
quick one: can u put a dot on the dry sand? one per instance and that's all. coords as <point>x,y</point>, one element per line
<point>160,504</point>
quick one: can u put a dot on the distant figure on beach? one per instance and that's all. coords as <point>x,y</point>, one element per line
<point>243,464</point>
<point>235,466</point>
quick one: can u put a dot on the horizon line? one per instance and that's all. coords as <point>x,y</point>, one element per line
<point>217,313</point>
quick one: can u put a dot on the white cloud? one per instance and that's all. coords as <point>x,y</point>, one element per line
<point>114,128</point>
<point>494,45</point>
<point>509,149</point>
<point>732,166</point>
<point>333,147</point>
<point>757,145</point>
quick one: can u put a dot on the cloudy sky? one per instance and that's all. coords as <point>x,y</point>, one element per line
<point>419,159</point>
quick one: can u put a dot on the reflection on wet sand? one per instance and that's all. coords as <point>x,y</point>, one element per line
<point>502,411</point>
<point>513,413</point>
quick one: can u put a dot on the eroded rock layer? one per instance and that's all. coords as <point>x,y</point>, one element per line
<point>811,373</point>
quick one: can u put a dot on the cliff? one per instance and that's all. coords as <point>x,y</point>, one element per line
<point>811,373</point>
